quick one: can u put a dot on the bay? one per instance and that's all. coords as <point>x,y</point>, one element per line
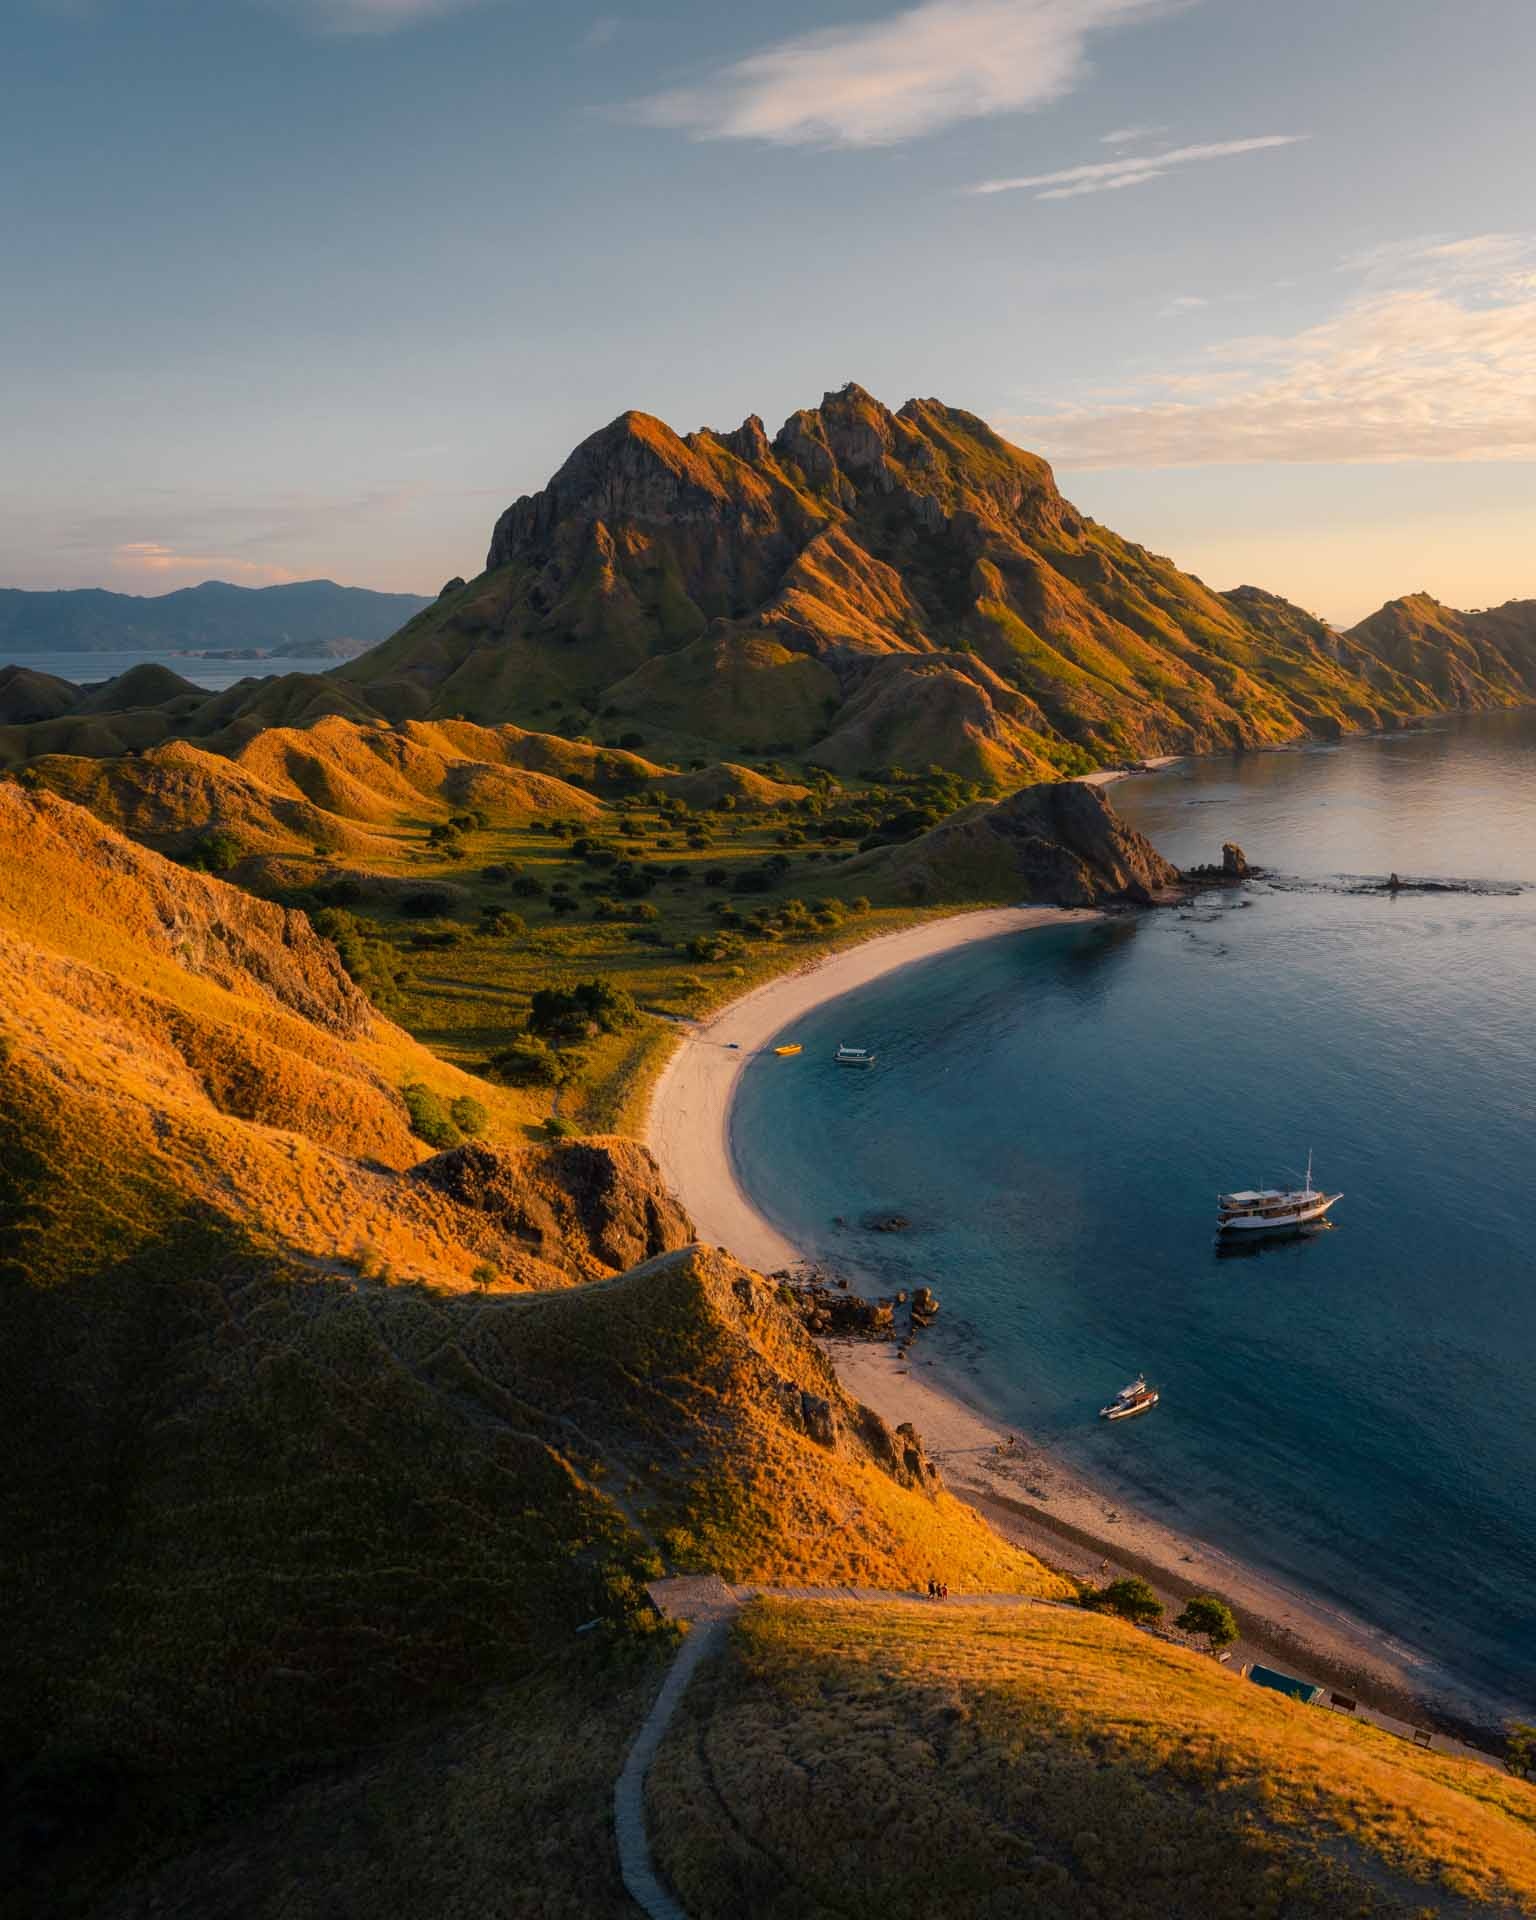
<point>1056,1112</point>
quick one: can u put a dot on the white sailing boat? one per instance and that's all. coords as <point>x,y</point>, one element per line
<point>1273,1209</point>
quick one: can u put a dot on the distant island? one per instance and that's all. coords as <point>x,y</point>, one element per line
<point>303,619</point>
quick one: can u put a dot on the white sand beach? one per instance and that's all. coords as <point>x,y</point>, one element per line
<point>1026,1494</point>
<point>688,1125</point>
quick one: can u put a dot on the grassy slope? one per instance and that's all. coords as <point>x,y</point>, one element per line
<point>263,1509</point>
<point>857,538</point>
<point>338,802</point>
<point>502,1808</point>
<point>903,1763</point>
<point>263,1515</point>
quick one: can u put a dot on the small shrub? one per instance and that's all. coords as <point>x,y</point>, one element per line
<point>532,1062</point>
<point>502,924</point>
<point>430,1120</point>
<point>216,852</point>
<point>1204,1613</point>
<point>570,1013</point>
<point>554,1128</point>
<point>426,903</point>
<point>1130,1598</point>
<point>468,1115</point>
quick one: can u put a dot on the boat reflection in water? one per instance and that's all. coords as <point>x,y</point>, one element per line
<point>1229,1246</point>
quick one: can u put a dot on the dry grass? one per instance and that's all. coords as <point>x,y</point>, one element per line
<point>905,1762</point>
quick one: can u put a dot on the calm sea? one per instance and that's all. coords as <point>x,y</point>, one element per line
<point>93,668</point>
<point>1056,1112</point>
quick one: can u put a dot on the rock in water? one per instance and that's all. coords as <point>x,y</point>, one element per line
<point>1233,862</point>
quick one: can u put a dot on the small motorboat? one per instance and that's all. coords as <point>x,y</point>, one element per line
<point>1138,1397</point>
<point>854,1057</point>
<point>787,1053</point>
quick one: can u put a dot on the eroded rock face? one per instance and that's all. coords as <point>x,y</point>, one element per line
<point>1234,863</point>
<point>208,928</point>
<point>590,1208</point>
<point>1069,846</point>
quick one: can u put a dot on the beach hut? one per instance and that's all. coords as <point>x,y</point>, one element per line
<point>1302,1690</point>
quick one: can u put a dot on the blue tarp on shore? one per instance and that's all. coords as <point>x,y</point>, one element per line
<point>1302,1690</point>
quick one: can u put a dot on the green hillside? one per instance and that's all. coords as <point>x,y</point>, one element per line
<point>872,588</point>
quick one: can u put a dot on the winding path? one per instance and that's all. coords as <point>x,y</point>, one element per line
<point>709,1605</point>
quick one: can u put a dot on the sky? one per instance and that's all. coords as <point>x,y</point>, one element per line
<point>316,287</point>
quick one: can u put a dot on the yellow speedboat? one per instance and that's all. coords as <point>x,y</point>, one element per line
<point>785,1052</point>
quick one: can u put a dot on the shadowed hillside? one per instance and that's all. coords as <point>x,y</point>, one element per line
<point>314,1431</point>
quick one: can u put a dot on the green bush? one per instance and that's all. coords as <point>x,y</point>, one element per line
<point>216,852</point>
<point>366,957</point>
<point>468,1115</point>
<point>571,1013</point>
<point>1204,1613</point>
<point>1131,1598</point>
<point>502,924</point>
<point>426,903</point>
<point>430,1119</point>
<point>532,1062</point>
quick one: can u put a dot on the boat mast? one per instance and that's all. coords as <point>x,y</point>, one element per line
<point>1309,1173</point>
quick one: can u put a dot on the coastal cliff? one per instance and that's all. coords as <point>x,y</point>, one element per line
<point>1060,843</point>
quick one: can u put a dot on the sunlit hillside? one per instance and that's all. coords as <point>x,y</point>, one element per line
<point>897,1763</point>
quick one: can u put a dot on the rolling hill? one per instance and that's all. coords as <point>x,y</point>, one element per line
<point>887,1764</point>
<point>294,1465</point>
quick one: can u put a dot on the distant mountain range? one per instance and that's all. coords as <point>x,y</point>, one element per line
<point>305,617</point>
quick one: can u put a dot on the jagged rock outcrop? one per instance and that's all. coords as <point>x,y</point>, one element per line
<point>866,588</point>
<point>588,1208</point>
<point>1059,842</point>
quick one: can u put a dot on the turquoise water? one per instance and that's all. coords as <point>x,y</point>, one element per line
<point>1055,1112</point>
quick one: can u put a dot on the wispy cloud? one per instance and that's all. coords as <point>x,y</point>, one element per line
<point>1438,365</point>
<point>1131,170</point>
<point>1123,136</point>
<point>603,31</point>
<point>898,78</point>
<point>372,16</point>
<point>155,557</point>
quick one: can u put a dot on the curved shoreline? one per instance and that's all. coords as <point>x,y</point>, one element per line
<point>1027,1495</point>
<point>688,1124</point>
